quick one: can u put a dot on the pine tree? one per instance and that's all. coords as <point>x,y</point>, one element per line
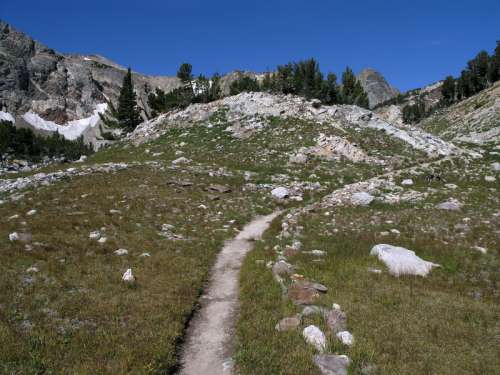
<point>185,73</point>
<point>128,115</point>
<point>494,70</point>
<point>330,93</point>
<point>215,89</point>
<point>348,86</point>
<point>448,91</point>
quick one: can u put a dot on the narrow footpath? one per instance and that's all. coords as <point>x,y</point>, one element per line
<point>209,341</point>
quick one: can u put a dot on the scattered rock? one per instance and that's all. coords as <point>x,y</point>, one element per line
<point>288,324</point>
<point>332,364</point>
<point>314,336</point>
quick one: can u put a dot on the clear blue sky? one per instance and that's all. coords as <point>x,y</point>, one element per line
<point>411,42</point>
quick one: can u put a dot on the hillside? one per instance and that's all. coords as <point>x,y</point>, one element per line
<point>163,201</point>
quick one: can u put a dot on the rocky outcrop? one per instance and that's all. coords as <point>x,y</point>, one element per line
<point>60,87</point>
<point>376,87</point>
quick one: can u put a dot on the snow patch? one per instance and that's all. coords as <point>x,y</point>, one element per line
<point>72,129</point>
<point>401,261</point>
<point>6,116</point>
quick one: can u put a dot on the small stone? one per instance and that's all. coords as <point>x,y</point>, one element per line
<point>332,364</point>
<point>480,249</point>
<point>95,235</point>
<point>301,295</point>
<point>314,336</point>
<point>14,236</point>
<point>312,310</point>
<point>282,268</point>
<point>145,255</point>
<point>32,269</point>
<point>407,182</point>
<point>345,337</point>
<point>288,324</point>
<point>128,276</point>
<point>298,158</point>
<point>489,178</point>
<point>336,320</point>
<point>181,160</point>
<point>31,212</point>
<point>280,192</point>
<point>451,204</point>
<point>495,166</point>
<point>121,252</point>
<point>102,240</point>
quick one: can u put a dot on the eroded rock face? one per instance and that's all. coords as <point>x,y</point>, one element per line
<point>60,87</point>
<point>376,87</point>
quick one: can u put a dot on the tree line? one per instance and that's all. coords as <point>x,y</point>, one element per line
<point>480,73</point>
<point>23,143</point>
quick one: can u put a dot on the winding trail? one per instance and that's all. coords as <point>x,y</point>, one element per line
<point>209,341</point>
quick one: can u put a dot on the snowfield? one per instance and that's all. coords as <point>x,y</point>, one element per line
<point>72,129</point>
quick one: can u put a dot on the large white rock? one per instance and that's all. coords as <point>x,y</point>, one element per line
<point>401,261</point>
<point>128,276</point>
<point>280,192</point>
<point>13,236</point>
<point>495,166</point>
<point>362,199</point>
<point>314,336</point>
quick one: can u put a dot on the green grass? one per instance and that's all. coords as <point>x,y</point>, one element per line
<point>446,323</point>
<point>82,318</point>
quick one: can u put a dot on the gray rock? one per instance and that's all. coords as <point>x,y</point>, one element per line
<point>288,324</point>
<point>331,364</point>
<point>362,199</point>
<point>451,205</point>
<point>376,87</point>
<point>336,320</point>
<point>282,268</point>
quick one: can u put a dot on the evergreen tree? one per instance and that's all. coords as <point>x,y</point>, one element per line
<point>448,91</point>
<point>185,72</point>
<point>267,82</point>
<point>494,70</point>
<point>348,86</point>
<point>479,69</point>
<point>128,115</point>
<point>330,93</point>
<point>215,89</point>
<point>244,84</point>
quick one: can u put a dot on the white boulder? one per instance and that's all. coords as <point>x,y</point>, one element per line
<point>14,236</point>
<point>407,181</point>
<point>128,276</point>
<point>280,192</point>
<point>95,235</point>
<point>314,336</point>
<point>401,261</point>
<point>121,252</point>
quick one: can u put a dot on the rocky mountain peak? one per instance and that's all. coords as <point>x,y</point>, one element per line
<point>376,86</point>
